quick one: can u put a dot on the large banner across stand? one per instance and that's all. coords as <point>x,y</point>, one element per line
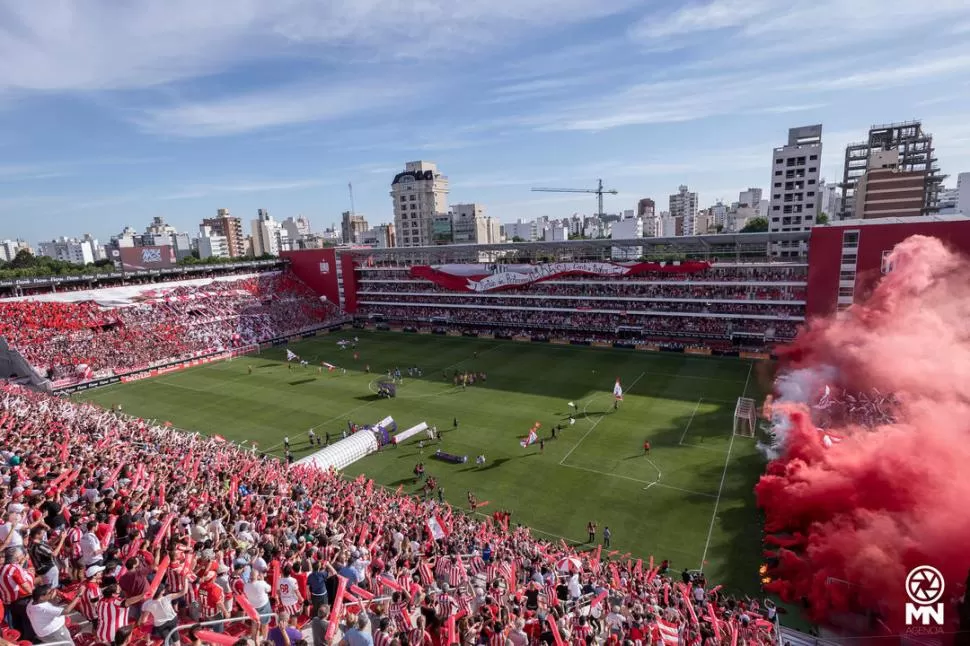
<point>486,278</point>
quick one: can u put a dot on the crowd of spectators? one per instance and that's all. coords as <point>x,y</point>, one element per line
<point>162,325</point>
<point>487,303</point>
<point>118,530</point>
<point>607,324</point>
<point>624,289</point>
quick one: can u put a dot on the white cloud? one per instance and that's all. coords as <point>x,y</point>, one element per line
<point>102,44</point>
<point>203,190</point>
<point>760,22</point>
<point>701,17</point>
<point>808,87</point>
<point>268,108</point>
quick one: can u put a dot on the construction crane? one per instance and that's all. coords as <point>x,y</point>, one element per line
<point>598,191</point>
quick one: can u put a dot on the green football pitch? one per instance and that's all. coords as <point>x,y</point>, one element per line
<point>690,500</point>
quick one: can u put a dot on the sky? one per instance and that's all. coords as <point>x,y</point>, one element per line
<point>112,113</point>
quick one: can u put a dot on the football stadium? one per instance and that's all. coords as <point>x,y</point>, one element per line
<point>511,443</point>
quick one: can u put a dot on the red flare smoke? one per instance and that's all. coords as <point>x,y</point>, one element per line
<point>884,500</point>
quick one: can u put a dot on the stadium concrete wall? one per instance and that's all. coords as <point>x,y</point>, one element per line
<point>318,269</point>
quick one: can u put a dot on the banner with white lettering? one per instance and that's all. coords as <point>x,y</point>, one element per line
<point>486,278</point>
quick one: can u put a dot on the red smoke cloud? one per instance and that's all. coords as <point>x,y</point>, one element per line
<point>870,508</point>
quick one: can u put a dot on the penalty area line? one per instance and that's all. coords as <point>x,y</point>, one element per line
<point>693,413</point>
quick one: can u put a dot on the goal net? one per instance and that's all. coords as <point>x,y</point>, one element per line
<point>745,417</point>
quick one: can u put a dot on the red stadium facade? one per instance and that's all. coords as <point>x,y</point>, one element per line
<point>846,259</point>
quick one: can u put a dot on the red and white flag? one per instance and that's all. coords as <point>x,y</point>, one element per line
<point>618,390</point>
<point>329,366</point>
<point>668,632</point>
<point>436,528</point>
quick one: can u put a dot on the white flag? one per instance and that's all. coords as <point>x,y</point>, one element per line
<point>436,528</point>
<point>290,355</point>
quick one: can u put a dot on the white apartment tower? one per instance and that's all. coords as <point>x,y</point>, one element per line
<point>963,193</point>
<point>419,193</point>
<point>268,236</point>
<point>683,205</point>
<point>794,185</point>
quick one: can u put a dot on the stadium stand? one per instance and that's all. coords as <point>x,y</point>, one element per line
<point>751,304</point>
<point>101,507</point>
<point>74,339</point>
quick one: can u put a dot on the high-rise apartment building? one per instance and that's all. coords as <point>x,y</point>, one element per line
<point>10,248</point>
<point>916,155</point>
<point>296,228</point>
<point>963,193</point>
<point>352,226</point>
<point>229,227</point>
<point>887,191</point>
<point>211,244</point>
<point>419,194</point>
<point>268,236</point>
<point>683,207</point>
<point>470,225</point>
<point>380,237</point>
<point>79,252</point>
<point>647,212</point>
<point>751,197</point>
<point>524,231</point>
<point>794,185</point>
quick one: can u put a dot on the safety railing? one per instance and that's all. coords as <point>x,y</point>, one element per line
<point>215,622</point>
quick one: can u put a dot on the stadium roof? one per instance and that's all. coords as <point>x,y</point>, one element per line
<point>915,219</point>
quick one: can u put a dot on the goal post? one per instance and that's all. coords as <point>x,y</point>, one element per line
<point>745,417</point>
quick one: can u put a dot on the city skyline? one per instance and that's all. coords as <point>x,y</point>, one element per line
<point>135,113</point>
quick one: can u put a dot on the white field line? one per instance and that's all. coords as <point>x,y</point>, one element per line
<point>637,480</point>
<point>720,489</point>
<point>596,423</point>
<point>687,428</point>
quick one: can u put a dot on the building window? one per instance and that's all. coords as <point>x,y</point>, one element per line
<point>776,196</point>
<point>412,197</point>
<point>810,194</point>
<point>777,184</point>
<point>779,161</point>
<point>812,169</point>
<point>846,291</point>
<point>812,157</point>
<point>850,239</point>
<point>777,173</point>
<point>776,208</point>
<point>811,182</point>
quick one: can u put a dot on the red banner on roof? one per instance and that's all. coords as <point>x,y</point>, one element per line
<point>486,278</point>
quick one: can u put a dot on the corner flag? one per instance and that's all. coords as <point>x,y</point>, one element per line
<point>618,390</point>
<point>290,355</point>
